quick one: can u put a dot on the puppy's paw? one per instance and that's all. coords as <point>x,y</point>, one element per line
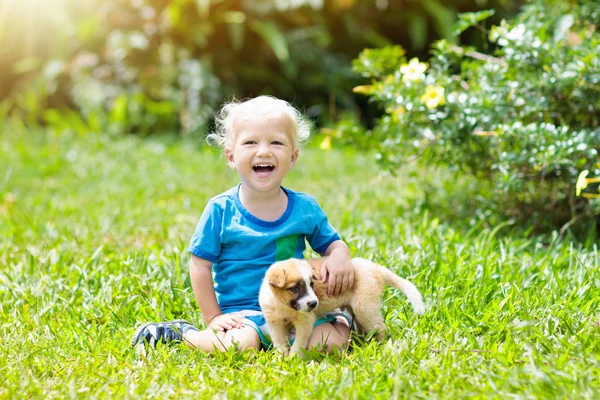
<point>283,350</point>
<point>296,351</point>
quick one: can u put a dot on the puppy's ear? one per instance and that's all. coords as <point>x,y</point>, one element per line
<point>276,277</point>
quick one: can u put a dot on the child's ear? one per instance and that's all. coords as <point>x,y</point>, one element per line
<point>229,157</point>
<point>294,156</point>
<point>276,277</point>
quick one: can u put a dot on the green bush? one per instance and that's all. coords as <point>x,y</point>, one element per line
<point>525,113</point>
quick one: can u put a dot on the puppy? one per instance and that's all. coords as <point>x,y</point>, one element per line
<point>292,294</point>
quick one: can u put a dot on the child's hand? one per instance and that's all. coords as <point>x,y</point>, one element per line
<point>225,322</point>
<point>341,273</point>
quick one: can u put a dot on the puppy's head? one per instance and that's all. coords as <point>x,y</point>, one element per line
<point>291,284</point>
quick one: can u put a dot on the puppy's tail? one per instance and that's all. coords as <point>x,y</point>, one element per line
<point>406,287</point>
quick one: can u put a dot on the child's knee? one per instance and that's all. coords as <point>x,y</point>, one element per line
<point>329,336</point>
<point>341,338</point>
<point>246,343</point>
<point>242,339</point>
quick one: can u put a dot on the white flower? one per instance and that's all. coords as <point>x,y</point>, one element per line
<point>413,71</point>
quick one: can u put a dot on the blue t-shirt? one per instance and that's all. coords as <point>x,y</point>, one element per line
<point>242,246</point>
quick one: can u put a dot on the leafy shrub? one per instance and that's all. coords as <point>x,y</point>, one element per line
<point>526,113</point>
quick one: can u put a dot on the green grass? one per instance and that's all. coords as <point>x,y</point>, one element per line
<point>93,236</point>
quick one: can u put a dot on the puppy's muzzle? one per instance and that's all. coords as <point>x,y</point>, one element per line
<point>312,305</point>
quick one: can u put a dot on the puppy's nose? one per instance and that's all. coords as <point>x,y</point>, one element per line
<point>312,305</point>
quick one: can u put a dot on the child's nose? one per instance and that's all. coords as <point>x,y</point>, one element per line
<point>264,150</point>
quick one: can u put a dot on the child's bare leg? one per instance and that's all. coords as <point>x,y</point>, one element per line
<point>210,340</point>
<point>177,331</point>
<point>329,335</point>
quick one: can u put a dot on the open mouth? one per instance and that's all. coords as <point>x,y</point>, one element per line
<point>263,169</point>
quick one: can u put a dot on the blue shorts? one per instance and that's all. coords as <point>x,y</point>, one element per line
<point>257,320</point>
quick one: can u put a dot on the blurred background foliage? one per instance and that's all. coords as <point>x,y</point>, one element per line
<point>509,94</point>
<point>154,66</point>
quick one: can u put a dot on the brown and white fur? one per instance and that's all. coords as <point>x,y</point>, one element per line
<point>292,294</point>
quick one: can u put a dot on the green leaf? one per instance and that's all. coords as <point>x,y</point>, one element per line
<point>236,35</point>
<point>76,122</point>
<point>52,117</point>
<point>160,107</point>
<point>118,113</point>
<point>418,30</point>
<point>173,14</point>
<point>562,27</point>
<point>443,17</point>
<point>379,62</point>
<point>375,38</point>
<point>467,20</point>
<point>269,31</point>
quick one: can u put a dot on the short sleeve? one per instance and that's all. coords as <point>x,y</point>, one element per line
<point>323,234</point>
<point>205,242</point>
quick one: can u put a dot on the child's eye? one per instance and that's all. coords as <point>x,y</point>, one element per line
<point>250,142</point>
<point>277,143</point>
<point>294,289</point>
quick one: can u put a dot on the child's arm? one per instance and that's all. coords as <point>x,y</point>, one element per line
<point>204,292</point>
<point>339,267</point>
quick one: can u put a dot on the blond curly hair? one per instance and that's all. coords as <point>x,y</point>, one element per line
<point>266,105</point>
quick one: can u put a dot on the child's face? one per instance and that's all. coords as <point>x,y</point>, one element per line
<point>263,151</point>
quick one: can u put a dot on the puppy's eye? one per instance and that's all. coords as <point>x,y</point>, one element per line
<point>294,289</point>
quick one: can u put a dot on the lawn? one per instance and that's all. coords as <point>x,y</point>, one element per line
<point>93,236</point>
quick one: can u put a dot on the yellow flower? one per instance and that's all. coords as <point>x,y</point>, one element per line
<point>367,89</point>
<point>413,71</point>
<point>581,182</point>
<point>396,112</point>
<point>326,143</point>
<point>590,196</point>
<point>433,96</point>
<point>485,133</point>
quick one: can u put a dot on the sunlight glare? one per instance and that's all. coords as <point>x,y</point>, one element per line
<point>25,24</point>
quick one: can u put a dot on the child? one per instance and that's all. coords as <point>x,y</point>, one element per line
<point>244,230</point>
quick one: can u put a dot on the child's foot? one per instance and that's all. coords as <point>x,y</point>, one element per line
<point>169,332</point>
